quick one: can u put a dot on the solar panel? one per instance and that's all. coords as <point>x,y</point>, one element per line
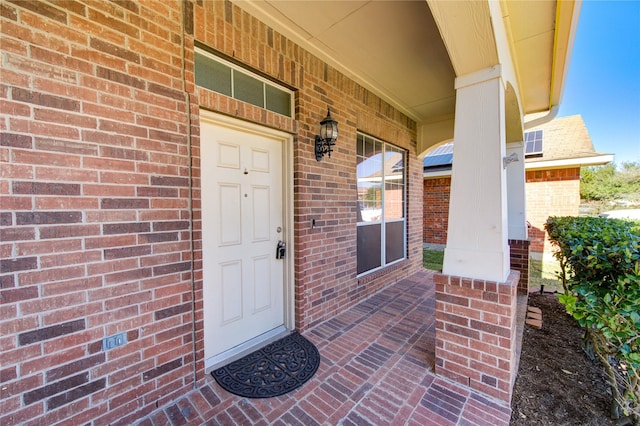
<point>447,148</point>
<point>441,156</point>
<point>533,142</point>
<point>437,160</point>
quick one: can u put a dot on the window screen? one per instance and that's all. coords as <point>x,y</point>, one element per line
<point>223,77</point>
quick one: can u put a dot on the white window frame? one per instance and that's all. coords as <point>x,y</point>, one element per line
<point>382,222</point>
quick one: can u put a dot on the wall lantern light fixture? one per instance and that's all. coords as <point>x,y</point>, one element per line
<point>327,137</point>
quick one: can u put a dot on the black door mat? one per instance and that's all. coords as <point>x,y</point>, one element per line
<point>274,370</point>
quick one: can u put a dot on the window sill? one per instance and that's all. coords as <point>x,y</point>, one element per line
<point>377,273</point>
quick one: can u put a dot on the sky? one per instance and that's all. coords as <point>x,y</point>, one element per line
<point>603,84</point>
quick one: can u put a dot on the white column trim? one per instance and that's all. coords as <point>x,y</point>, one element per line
<point>479,77</point>
<point>477,240</point>
<point>516,199</point>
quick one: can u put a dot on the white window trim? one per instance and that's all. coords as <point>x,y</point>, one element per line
<point>382,222</point>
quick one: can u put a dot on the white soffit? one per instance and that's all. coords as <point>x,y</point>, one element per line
<point>532,24</point>
<point>390,47</point>
<point>394,48</point>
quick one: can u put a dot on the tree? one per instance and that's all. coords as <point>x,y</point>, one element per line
<point>608,183</point>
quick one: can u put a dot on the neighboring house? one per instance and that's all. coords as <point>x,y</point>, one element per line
<point>554,153</point>
<point>155,154</point>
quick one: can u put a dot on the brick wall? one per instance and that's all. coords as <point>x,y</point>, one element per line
<point>436,210</point>
<point>100,198</point>
<point>550,193</point>
<point>96,236</point>
<point>476,333</point>
<point>325,257</point>
<point>519,261</point>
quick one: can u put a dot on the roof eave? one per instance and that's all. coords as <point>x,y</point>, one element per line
<point>566,25</point>
<point>597,160</point>
<point>433,174</point>
<point>567,15</point>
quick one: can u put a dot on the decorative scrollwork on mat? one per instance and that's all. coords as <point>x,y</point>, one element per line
<point>274,370</point>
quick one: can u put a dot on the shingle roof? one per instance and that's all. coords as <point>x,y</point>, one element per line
<point>565,138</point>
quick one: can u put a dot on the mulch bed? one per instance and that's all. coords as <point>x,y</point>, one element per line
<point>557,383</point>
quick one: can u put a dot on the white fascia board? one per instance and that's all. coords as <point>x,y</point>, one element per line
<point>551,164</point>
<point>570,162</point>
<point>436,174</point>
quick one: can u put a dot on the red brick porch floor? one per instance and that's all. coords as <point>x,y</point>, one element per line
<point>376,369</point>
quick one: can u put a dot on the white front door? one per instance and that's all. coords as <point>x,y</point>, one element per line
<point>242,222</point>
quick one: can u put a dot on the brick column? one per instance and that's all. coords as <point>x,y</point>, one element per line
<point>519,250</point>
<point>476,341</point>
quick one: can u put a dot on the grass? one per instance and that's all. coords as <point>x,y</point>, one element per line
<point>432,259</point>
<point>544,274</point>
<point>540,273</point>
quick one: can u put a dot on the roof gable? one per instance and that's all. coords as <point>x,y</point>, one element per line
<point>565,138</point>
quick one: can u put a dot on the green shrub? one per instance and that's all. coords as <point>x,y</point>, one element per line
<point>600,272</point>
<point>595,249</point>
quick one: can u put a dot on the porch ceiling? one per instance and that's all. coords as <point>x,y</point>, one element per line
<point>395,49</point>
<point>390,47</point>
